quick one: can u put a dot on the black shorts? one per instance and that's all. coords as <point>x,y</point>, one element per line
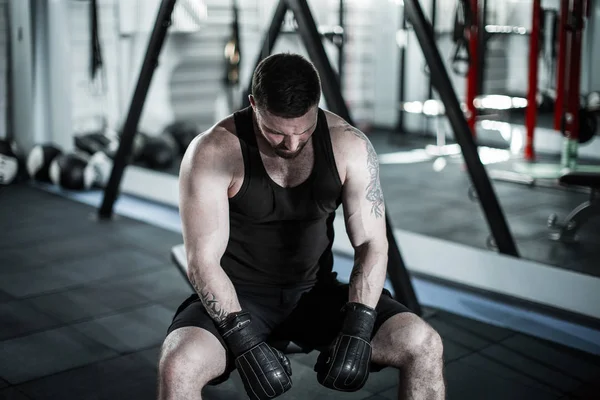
<point>309,317</point>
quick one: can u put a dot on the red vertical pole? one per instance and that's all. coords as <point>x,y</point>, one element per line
<point>574,71</point>
<point>531,115</point>
<point>562,61</point>
<point>473,73</point>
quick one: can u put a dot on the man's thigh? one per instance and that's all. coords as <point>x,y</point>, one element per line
<point>317,318</point>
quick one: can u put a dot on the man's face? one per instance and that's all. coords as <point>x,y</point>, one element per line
<point>286,136</point>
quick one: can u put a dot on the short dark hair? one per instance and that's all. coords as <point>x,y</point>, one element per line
<point>286,85</point>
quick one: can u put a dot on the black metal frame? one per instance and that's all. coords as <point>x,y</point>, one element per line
<point>331,89</point>
<point>307,29</point>
<point>309,33</point>
<point>341,47</point>
<point>481,181</point>
<point>159,31</point>
<point>433,23</point>
<point>402,77</point>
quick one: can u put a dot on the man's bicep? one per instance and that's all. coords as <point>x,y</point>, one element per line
<point>364,207</point>
<point>204,210</point>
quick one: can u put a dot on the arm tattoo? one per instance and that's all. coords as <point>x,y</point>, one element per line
<point>210,302</point>
<point>374,192</point>
<point>212,306</point>
<point>357,271</point>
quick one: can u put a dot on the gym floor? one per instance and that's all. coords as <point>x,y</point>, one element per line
<point>84,307</point>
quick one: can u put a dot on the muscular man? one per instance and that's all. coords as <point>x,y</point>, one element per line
<point>258,194</point>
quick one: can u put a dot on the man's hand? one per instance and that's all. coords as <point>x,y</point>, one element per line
<point>265,371</point>
<point>345,366</point>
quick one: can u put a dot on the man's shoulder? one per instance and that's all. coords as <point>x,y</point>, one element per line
<point>216,148</point>
<point>220,139</point>
<point>344,137</point>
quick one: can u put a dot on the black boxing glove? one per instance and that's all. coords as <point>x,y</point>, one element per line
<point>265,371</point>
<point>345,365</point>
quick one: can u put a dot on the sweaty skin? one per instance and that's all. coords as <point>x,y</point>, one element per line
<point>212,171</point>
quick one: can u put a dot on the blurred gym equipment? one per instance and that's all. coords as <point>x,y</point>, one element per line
<point>70,171</point>
<point>156,152</point>
<point>76,171</point>
<point>566,230</point>
<point>575,120</point>
<point>92,143</point>
<point>9,162</point>
<point>39,160</point>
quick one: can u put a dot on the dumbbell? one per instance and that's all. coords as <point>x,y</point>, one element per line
<point>92,143</point>
<point>76,171</point>
<point>155,152</point>
<point>39,159</point>
<point>10,164</point>
<point>592,103</point>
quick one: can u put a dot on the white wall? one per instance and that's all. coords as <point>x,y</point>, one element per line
<point>187,83</point>
<point>21,64</point>
<point>361,55</point>
<point>386,64</point>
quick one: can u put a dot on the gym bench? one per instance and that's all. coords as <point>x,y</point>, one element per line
<point>179,258</point>
<point>566,231</point>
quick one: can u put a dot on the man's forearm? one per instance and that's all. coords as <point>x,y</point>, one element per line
<point>368,274</point>
<point>215,290</point>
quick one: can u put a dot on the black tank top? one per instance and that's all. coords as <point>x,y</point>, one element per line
<point>282,236</point>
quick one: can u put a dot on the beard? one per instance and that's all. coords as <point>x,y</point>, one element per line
<point>289,155</point>
<point>286,154</point>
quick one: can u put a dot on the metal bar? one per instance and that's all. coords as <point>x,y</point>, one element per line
<point>473,73</point>
<point>401,76</point>
<point>161,25</point>
<point>96,58</point>
<point>562,62</point>
<point>307,28</point>
<point>342,46</point>
<point>531,112</point>
<point>481,182</point>
<point>398,274</point>
<point>433,23</point>
<point>268,44</point>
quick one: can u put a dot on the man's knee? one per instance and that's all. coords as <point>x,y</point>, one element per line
<point>406,338</point>
<point>191,356</point>
<point>422,341</point>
